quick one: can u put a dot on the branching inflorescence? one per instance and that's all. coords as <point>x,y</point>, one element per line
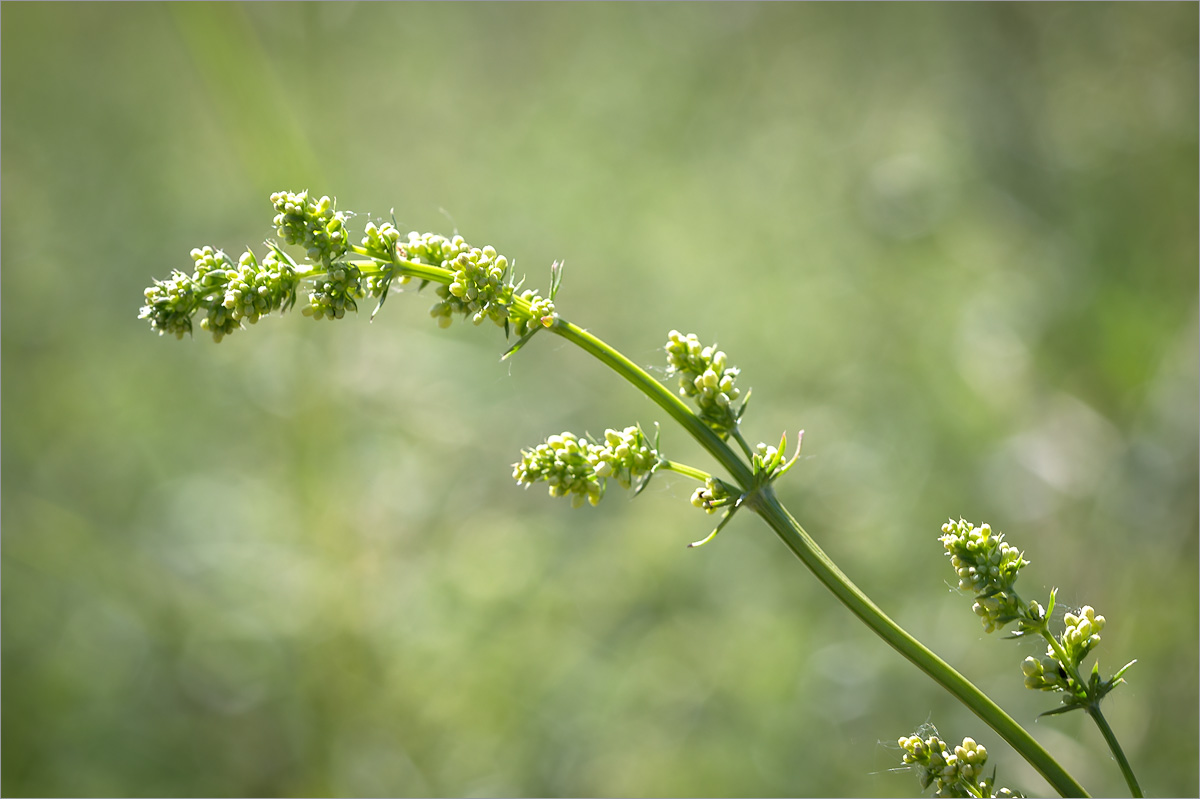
<point>472,282</point>
<point>987,567</point>
<point>952,771</point>
<point>479,284</point>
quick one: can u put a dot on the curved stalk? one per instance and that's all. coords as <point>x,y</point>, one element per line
<point>1110,738</point>
<point>765,504</point>
<point>1093,709</point>
<point>659,394</point>
<point>763,501</point>
<point>684,469</point>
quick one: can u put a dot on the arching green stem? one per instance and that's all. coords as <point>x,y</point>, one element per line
<point>765,504</point>
<point>684,469</point>
<point>762,500</point>
<point>1110,738</point>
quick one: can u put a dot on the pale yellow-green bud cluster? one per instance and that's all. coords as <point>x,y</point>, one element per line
<point>311,224</point>
<point>1080,636</point>
<point>986,566</point>
<point>381,241</point>
<point>705,376</point>
<point>1044,674</point>
<point>541,311</point>
<point>953,772</point>
<point>1082,633</point>
<point>579,468</point>
<point>229,293</point>
<point>562,461</point>
<point>479,289</point>
<point>482,287</point>
<point>712,495</point>
<point>256,290</point>
<point>626,456</point>
<point>433,249</point>
<point>335,293</point>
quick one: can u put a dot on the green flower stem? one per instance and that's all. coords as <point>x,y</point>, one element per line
<point>765,504</point>
<point>658,393</point>
<point>1110,738</point>
<point>1060,654</point>
<point>1093,710</point>
<point>435,274</point>
<point>684,469</point>
<point>787,528</point>
<point>737,436</point>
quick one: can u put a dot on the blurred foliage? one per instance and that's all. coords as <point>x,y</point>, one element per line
<point>955,243</point>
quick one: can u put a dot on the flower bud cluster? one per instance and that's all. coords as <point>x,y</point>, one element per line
<point>255,290</point>
<point>705,376</point>
<point>626,455</point>
<point>171,303</point>
<point>541,312</point>
<point>381,241</point>
<point>764,454</point>
<point>1082,633</point>
<point>768,462</point>
<point>1081,636</point>
<point>1044,674</point>
<point>228,292</point>
<point>336,292</point>
<point>986,566</point>
<point>956,772</point>
<point>432,249</point>
<point>480,288</point>
<point>562,461</point>
<point>712,495</point>
<point>579,468</point>
<point>311,224</point>
<point>231,294</point>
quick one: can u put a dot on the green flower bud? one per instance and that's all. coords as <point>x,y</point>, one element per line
<point>986,566</point>
<point>1082,633</point>
<point>335,293</point>
<point>580,468</point>
<point>1044,674</point>
<point>952,772</point>
<point>256,290</point>
<point>314,225</point>
<point>382,242</point>
<point>228,293</point>
<point>712,495</point>
<point>704,377</point>
<point>170,305</point>
<point>219,322</point>
<point>480,288</point>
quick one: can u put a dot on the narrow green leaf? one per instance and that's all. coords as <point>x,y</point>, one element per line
<point>520,342</point>
<point>1120,673</point>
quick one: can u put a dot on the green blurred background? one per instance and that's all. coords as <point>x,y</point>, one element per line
<point>955,243</point>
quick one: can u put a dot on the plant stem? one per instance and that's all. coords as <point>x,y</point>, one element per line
<point>684,469</point>
<point>764,502</point>
<point>1093,710</point>
<point>659,394</point>
<point>1114,746</point>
